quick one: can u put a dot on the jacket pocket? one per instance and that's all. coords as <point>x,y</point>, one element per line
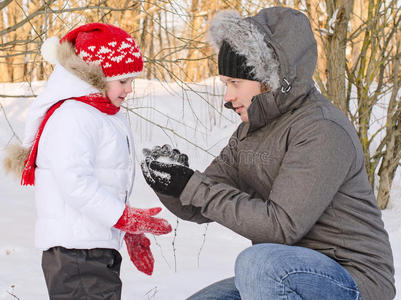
<point>86,229</point>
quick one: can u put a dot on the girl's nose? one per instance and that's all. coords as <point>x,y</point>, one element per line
<point>128,89</point>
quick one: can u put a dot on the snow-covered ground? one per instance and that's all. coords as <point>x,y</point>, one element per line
<point>186,260</point>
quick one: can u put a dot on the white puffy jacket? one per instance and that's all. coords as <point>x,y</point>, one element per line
<point>83,178</point>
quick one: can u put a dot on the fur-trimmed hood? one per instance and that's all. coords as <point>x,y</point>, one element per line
<point>247,40</point>
<point>58,87</point>
<point>278,43</point>
<point>281,49</point>
<point>90,73</point>
<point>64,54</point>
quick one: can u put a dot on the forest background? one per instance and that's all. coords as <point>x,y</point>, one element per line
<point>358,65</point>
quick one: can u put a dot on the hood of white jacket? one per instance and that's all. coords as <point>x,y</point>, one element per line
<point>61,85</point>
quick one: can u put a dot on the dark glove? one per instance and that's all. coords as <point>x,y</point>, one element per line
<point>170,177</point>
<point>138,247</point>
<point>137,221</point>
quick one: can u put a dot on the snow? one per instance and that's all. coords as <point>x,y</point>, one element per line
<point>192,256</point>
<point>332,22</point>
<point>163,175</point>
<point>167,160</point>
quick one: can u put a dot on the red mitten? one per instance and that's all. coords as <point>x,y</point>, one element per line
<point>138,247</point>
<point>136,221</point>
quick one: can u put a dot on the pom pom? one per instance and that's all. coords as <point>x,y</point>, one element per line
<point>14,160</point>
<point>49,49</point>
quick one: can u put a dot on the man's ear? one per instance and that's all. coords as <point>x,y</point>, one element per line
<point>264,88</point>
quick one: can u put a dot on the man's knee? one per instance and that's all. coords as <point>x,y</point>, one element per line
<point>261,258</point>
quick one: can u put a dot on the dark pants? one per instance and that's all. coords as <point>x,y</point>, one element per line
<point>78,274</point>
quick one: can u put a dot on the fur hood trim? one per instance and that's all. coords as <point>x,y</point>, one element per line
<point>90,73</point>
<point>247,40</point>
<point>64,54</point>
<point>14,160</point>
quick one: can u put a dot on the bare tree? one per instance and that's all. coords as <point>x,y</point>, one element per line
<point>358,63</point>
<point>375,74</point>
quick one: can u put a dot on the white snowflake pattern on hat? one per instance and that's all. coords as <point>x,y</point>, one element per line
<point>117,58</point>
<point>124,45</point>
<point>83,54</point>
<point>104,50</point>
<point>136,54</point>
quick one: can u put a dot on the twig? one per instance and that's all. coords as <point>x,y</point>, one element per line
<point>9,124</point>
<point>17,96</point>
<point>154,290</point>
<point>12,293</point>
<point>167,116</point>
<point>4,3</point>
<point>38,12</point>
<point>172,131</point>
<point>173,244</point>
<point>203,242</point>
<point>161,251</point>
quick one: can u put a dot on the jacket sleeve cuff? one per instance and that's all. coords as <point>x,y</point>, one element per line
<point>188,195</point>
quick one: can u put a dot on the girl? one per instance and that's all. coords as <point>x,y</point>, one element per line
<point>80,158</point>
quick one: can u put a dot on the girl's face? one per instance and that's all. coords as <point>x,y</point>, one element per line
<point>240,93</point>
<point>117,90</point>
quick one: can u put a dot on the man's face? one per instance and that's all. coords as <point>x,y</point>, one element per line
<point>240,93</point>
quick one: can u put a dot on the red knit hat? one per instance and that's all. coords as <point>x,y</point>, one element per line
<point>111,47</point>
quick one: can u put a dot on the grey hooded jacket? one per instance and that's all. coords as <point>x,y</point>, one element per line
<point>295,173</point>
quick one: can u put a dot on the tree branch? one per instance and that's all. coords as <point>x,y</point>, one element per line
<point>4,3</point>
<point>9,124</point>
<point>172,131</point>
<point>38,12</point>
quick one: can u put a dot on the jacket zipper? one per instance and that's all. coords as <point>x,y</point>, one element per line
<point>129,152</point>
<point>129,149</point>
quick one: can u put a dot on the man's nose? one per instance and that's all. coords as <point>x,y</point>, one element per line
<point>228,96</point>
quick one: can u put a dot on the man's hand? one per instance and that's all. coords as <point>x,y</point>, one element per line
<point>137,221</point>
<point>166,170</point>
<point>138,247</point>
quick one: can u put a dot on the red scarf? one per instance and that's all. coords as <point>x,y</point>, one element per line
<point>99,101</point>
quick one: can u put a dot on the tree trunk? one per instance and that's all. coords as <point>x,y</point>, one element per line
<point>315,15</point>
<point>386,174</point>
<point>392,155</point>
<point>194,29</point>
<point>339,14</point>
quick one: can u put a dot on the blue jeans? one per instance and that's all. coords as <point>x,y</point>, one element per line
<point>273,271</point>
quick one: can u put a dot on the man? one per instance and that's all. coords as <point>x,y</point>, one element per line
<point>291,179</point>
